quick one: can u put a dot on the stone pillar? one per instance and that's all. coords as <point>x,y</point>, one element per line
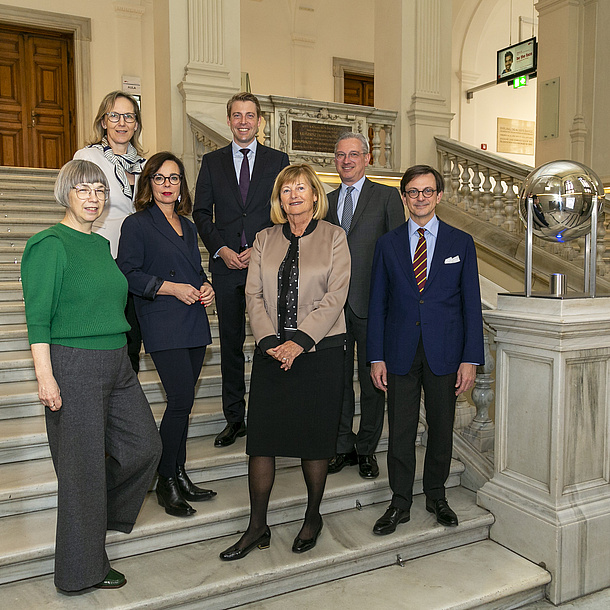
<point>212,74</point>
<point>578,59</point>
<point>550,493</point>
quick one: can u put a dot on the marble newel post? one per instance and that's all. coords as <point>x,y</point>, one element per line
<point>550,493</point>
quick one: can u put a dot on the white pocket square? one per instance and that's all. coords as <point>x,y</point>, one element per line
<point>452,259</point>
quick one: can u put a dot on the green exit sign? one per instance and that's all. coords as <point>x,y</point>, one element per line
<point>521,81</point>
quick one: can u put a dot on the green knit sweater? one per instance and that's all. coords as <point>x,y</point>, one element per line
<point>74,292</point>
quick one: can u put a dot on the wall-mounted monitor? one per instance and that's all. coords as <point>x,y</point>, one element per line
<point>517,60</point>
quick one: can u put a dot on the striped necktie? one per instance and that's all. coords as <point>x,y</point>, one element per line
<point>348,210</point>
<point>420,260</point>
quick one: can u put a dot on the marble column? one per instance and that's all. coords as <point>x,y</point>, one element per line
<point>550,493</point>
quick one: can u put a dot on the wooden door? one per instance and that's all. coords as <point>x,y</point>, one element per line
<point>36,98</point>
<point>358,89</point>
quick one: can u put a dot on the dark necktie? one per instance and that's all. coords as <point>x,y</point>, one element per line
<point>420,260</point>
<point>244,185</point>
<point>348,210</point>
<point>244,175</point>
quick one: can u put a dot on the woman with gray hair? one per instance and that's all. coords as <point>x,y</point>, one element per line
<point>102,435</point>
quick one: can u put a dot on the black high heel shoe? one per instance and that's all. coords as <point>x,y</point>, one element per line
<point>300,545</point>
<point>190,491</point>
<point>233,552</point>
<point>168,496</point>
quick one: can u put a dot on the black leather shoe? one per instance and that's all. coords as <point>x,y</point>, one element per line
<point>233,552</point>
<point>340,460</point>
<point>300,546</point>
<point>230,433</point>
<point>367,466</point>
<point>190,491</point>
<point>387,523</point>
<point>444,515</point>
<point>168,496</point>
<point>113,580</point>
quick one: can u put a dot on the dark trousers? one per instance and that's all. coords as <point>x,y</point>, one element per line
<point>231,308</point>
<point>372,400</point>
<point>179,371</point>
<point>134,335</point>
<point>105,448</point>
<point>404,394</point>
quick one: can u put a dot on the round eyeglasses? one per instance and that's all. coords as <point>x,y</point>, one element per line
<point>115,117</point>
<point>414,193</point>
<point>84,192</point>
<point>160,179</point>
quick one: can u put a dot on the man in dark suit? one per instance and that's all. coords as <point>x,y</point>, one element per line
<point>231,206</point>
<point>366,210</point>
<point>425,330</point>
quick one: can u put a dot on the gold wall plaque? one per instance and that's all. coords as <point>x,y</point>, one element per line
<point>515,136</point>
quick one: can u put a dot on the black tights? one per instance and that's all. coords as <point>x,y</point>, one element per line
<point>261,475</point>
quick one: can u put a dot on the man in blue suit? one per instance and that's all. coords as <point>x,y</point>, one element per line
<point>231,206</point>
<point>425,329</point>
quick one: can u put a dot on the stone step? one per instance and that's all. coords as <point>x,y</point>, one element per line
<point>16,175</point>
<point>192,576</point>
<point>10,290</point>
<point>478,575</point>
<point>30,485</point>
<point>20,398</point>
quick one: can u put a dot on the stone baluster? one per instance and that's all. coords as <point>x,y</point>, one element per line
<point>388,146</point>
<point>267,129</point>
<point>455,181</point>
<point>509,208</point>
<point>464,202</point>
<point>498,217</point>
<point>446,171</point>
<point>475,208</point>
<point>464,413</point>
<point>376,144</point>
<point>487,197</point>
<point>480,432</point>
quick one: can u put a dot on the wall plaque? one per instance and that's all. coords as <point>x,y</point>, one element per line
<point>515,136</point>
<point>315,137</point>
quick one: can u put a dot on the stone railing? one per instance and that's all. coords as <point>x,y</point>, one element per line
<point>487,186</point>
<point>208,135</point>
<point>306,129</point>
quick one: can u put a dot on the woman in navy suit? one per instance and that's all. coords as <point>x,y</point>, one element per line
<point>159,255</point>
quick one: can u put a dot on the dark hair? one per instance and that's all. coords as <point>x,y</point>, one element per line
<point>106,106</point>
<point>244,96</point>
<point>507,54</point>
<point>421,170</point>
<point>144,197</point>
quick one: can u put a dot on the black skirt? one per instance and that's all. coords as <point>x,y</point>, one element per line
<point>296,413</point>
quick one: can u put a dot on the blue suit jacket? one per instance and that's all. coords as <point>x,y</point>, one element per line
<point>447,314</point>
<point>150,252</point>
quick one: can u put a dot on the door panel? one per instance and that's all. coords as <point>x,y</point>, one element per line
<point>36,99</point>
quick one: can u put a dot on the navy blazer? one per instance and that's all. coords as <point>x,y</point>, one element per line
<point>219,212</point>
<point>446,314</point>
<point>150,252</point>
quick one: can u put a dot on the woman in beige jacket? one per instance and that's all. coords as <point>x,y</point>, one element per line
<point>296,289</point>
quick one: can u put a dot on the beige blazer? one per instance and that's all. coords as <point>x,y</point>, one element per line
<point>324,274</point>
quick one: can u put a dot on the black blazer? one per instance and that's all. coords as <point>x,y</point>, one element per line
<point>219,212</point>
<point>379,210</point>
<point>150,252</point>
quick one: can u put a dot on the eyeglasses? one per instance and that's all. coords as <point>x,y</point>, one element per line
<point>352,156</point>
<point>414,193</point>
<point>160,179</point>
<point>84,192</point>
<point>115,117</point>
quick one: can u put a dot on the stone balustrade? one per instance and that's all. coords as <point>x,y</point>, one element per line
<point>487,186</point>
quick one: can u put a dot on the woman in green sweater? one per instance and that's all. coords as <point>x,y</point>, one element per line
<point>103,439</point>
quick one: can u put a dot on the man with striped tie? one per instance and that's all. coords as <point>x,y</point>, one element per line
<point>425,329</point>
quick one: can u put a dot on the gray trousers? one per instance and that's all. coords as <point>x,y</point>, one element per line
<point>105,448</point>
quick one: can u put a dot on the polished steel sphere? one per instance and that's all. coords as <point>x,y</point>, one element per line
<point>563,194</point>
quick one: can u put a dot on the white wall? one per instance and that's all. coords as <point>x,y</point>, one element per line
<point>480,29</point>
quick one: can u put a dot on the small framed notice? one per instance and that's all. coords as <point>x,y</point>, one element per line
<point>516,137</point>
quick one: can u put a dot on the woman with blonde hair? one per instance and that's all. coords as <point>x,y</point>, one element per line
<point>296,289</point>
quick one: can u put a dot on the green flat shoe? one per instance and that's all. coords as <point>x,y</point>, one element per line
<point>113,580</point>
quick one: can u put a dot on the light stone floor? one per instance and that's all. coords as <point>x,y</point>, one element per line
<point>595,601</point>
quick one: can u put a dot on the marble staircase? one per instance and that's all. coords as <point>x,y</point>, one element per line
<point>173,562</point>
